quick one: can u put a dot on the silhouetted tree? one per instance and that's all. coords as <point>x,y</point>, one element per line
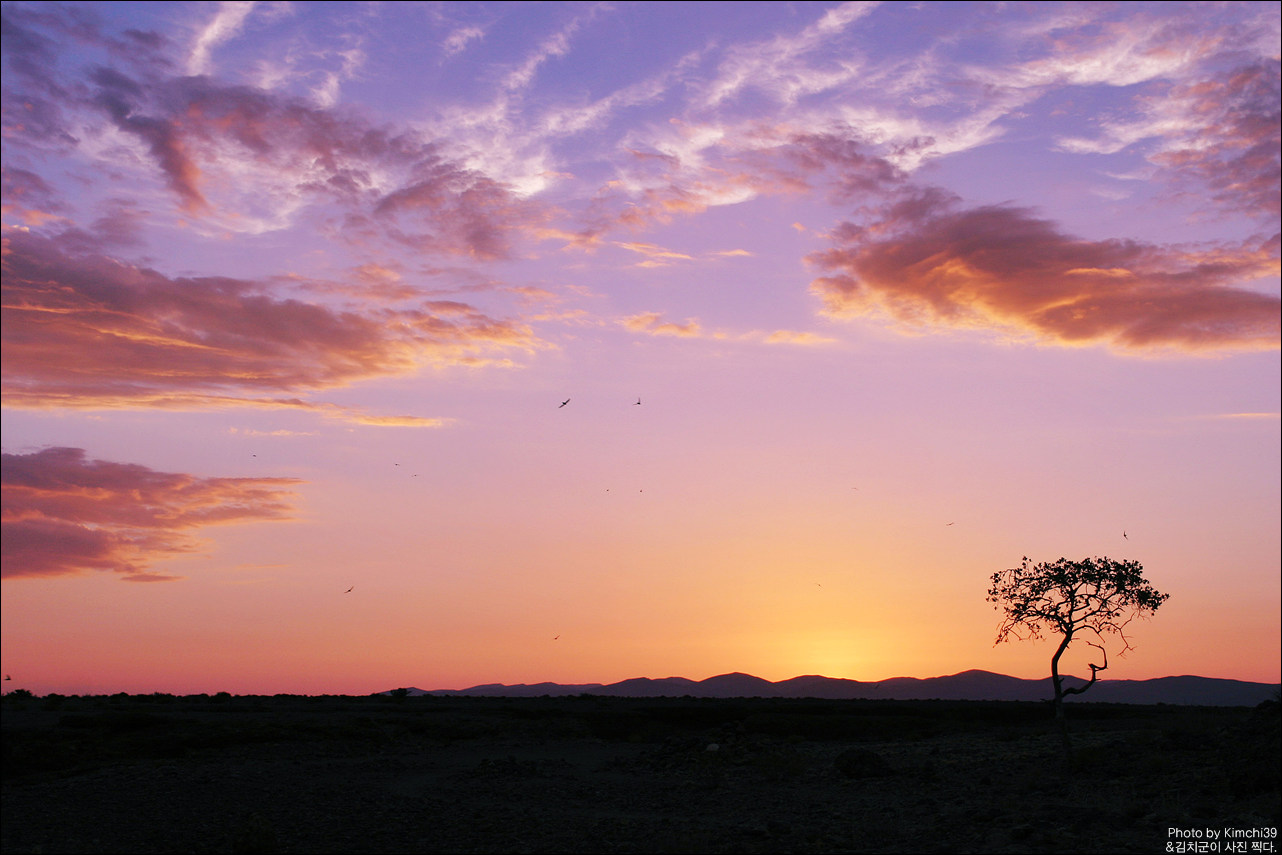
<point>1093,597</point>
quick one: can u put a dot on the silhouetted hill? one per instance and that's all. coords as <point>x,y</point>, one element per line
<point>966,686</point>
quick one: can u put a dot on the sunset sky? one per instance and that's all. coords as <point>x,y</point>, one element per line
<point>853,305</point>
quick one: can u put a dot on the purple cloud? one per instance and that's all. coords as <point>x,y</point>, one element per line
<point>64,514</point>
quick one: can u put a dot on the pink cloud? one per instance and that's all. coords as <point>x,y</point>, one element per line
<point>244,157</point>
<point>852,173</point>
<point>63,514</point>
<point>117,95</point>
<point>28,198</point>
<point>208,140</point>
<point>1234,151</point>
<point>757,162</point>
<point>1001,268</point>
<point>89,330</point>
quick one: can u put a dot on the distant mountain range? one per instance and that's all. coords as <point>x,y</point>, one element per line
<point>966,686</point>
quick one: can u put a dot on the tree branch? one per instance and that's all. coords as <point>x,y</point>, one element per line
<point>1095,669</point>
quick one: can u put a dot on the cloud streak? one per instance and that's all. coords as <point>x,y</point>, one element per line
<point>653,324</point>
<point>226,23</point>
<point>65,514</point>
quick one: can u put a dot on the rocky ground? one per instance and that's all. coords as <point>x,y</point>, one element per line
<point>163,774</point>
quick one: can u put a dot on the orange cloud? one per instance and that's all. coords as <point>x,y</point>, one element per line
<point>1000,268</point>
<point>63,514</point>
<point>797,337</point>
<point>652,323</point>
<point>87,330</point>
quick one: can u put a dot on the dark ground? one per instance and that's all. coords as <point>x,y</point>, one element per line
<point>160,773</point>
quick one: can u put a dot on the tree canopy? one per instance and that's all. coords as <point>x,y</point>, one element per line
<point>1102,595</point>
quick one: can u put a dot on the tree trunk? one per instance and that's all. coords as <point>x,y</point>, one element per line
<point>1058,682</point>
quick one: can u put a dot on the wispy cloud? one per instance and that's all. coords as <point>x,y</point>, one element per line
<point>782,66</point>
<point>655,256</point>
<point>1244,416</point>
<point>279,433</point>
<point>1140,48</point>
<point>226,23</point>
<point>652,323</point>
<point>241,159</point>
<point>163,138</point>
<point>459,39</point>
<point>796,337</point>
<point>29,200</point>
<point>1218,133</point>
<point>65,514</point>
<point>1232,136</point>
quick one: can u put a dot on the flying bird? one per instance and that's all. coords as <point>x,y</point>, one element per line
<point>349,590</point>
<point>638,403</point>
<point>555,637</point>
<point>7,677</point>
<point>563,403</point>
<point>948,524</point>
<point>1124,536</point>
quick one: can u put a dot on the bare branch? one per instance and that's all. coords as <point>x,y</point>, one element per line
<point>1095,669</point>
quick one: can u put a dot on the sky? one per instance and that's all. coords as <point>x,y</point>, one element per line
<point>353,346</point>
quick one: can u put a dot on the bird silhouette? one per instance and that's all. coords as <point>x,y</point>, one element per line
<point>948,524</point>
<point>563,403</point>
<point>7,677</point>
<point>555,637</point>
<point>349,590</point>
<point>1125,536</point>
<point>638,403</point>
